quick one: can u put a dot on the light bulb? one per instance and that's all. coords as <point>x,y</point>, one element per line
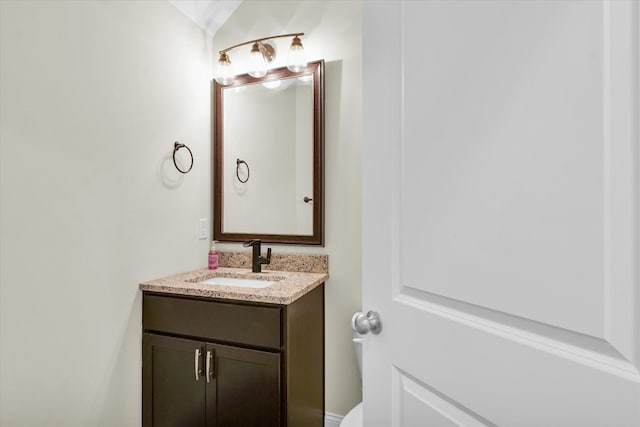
<point>257,64</point>
<point>297,57</point>
<point>225,70</point>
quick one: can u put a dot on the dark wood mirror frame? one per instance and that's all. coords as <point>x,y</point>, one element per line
<point>316,69</point>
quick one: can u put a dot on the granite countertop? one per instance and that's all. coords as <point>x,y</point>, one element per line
<point>288,286</point>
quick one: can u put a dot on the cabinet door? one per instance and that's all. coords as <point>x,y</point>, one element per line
<point>243,388</point>
<point>172,396</point>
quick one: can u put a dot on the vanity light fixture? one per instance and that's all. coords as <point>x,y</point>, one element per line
<point>225,69</point>
<point>263,52</point>
<point>297,58</point>
<point>259,57</point>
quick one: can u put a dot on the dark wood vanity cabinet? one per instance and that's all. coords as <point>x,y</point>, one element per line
<point>213,362</point>
<point>242,389</point>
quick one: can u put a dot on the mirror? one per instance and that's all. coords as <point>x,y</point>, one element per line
<point>269,157</point>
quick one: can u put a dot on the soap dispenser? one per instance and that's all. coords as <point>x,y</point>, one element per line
<point>213,256</point>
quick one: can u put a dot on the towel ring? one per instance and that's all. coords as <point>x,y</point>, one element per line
<point>238,163</point>
<point>176,147</point>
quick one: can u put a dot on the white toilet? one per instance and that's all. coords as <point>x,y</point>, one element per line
<point>354,417</point>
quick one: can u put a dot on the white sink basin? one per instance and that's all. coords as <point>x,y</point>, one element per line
<point>240,283</point>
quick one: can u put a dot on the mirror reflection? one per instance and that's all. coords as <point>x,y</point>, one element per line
<point>268,157</point>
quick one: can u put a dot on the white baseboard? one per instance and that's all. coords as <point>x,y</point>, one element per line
<point>332,420</point>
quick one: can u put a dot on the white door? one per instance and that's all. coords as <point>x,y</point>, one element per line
<point>501,213</point>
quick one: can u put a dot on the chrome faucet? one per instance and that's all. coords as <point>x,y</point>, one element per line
<point>257,259</point>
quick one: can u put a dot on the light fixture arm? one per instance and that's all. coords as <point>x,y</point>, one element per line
<point>259,40</point>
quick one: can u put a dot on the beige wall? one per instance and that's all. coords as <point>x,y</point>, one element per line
<point>93,95</point>
<point>333,33</point>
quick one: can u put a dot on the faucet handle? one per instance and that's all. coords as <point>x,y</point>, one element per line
<point>268,259</point>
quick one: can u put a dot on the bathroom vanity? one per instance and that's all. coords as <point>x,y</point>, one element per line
<point>220,355</point>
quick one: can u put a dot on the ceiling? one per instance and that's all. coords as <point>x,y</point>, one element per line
<point>209,15</point>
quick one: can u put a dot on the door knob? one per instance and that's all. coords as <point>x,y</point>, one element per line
<point>363,324</point>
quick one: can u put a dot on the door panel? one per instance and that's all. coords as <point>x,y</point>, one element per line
<point>420,405</point>
<point>509,164</point>
<point>503,190</point>
<point>245,389</point>
<point>172,396</point>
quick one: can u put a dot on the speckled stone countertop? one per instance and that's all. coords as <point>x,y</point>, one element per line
<point>288,286</point>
